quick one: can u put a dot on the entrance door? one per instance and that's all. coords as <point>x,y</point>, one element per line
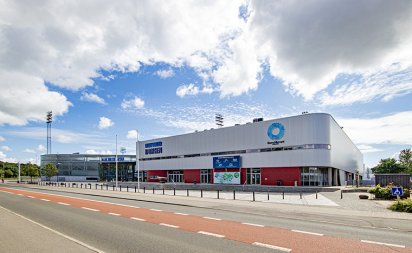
<point>253,176</point>
<point>204,176</point>
<point>175,176</point>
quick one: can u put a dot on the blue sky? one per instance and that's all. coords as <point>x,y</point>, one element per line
<point>107,69</point>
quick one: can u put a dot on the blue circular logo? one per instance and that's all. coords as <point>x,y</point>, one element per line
<point>276,131</point>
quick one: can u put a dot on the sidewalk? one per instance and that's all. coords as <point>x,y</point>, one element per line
<point>349,206</point>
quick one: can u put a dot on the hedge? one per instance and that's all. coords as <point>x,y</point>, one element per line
<point>402,206</point>
<point>386,192</point>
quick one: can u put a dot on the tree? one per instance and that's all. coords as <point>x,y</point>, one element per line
<point>405,158</point>
<point>50,170</point>
<point>388,165</point>
<point>32,171</point>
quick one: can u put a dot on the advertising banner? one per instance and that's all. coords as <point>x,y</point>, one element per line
<point>226,162</point>
<point>227,178</point>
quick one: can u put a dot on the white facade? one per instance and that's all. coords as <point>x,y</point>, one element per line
<point>308,140</point>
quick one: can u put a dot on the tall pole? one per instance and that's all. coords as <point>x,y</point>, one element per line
<point>137,161</point>
<point>19,173</point>
<point>116,164</point>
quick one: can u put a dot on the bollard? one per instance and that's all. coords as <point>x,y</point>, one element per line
<point>316,194</point>
<point>268,195</point>
<point>234,194</point>
<point>218,194</point>
<point>107,187</point>
<point>163,191</point>
<point>113,187</point>
<point>95,186</point>
<point>101,187</point>
<point>127,188</point>
<point>283,195</point>
<point>81,186</point>
<point>253,196</point>
<point>201,193</point>
<point>120,187</point>
<point>300,195</point>
<point>174,191</point>
<point>187,192</point>
<point>135,189</point>
<point>153,190</point>
<point>144,189</point>
<point>341,194</point>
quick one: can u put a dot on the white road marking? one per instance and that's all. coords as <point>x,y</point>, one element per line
<point>168,225</point>
<point>45,200</point>
<point>382,243</point>
<point>56,232</point>
<point>115,214</point>
<point>211,234</point>
<point>211,218</point>
<point>305,232</point>
<point>90,209</point>
<point>252,224</point>
<point>138,219</point>
<point>20,194</point>
<point>156,210</point>
<point>181,214</point>
<point>62,203</point>
<point>31,197</point>
<point>272,246</point>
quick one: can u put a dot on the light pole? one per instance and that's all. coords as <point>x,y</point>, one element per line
<point>116,164</point>
<point>137,161</point>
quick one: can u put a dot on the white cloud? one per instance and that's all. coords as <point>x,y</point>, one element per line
<point>384,85</point>
<point>41,148</point>
<point>2,138</point>
<point>307,44</point>
<point>391,129</point>
<point>134,103</point>
<point>165,73</point>
<point>28,150</point>
<point>367,148</point>
<point>91,97</point>
<point>99,152</point>
<point>193,90</point>
<point>105,123</point>
<point>6,148</point>
<point>4,158</point>
<point>132,134</point>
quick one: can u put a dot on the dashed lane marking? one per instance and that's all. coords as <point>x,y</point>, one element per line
<point>168,225</point>
<point>305,232</point>
<point>115,214</point>
<point>252,224</point>
<point>62,203</point>
<point>156,210</point>
<point>211,218</point>
<point>383,243</point>
<point>138,219</point>
<point>90,209</point>
<point>31,197</point>
<point>211,234</point>
<point>20,194</point>
<point>184,214</point>
<point>45,200</point>
<point>272,246</point>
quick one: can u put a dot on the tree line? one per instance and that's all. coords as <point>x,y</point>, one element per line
<point>392,165</point>
<point>11,170</point>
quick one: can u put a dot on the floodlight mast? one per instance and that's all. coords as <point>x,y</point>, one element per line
<point>49,120</point>
<point>219,119</point>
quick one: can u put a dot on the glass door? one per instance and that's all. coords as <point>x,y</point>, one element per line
<point>253,176</point>
<point>204,176</point>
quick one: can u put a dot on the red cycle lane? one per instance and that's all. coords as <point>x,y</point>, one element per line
<point>257,234</point>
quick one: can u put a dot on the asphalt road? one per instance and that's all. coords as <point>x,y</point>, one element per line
<point>117,232</point>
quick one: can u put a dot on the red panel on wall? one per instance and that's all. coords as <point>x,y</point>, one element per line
<point>243,176</point>
<point>191,176</point>
<point>159,173</point>
<point>286,176</point>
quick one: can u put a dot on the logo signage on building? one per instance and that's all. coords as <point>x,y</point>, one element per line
<point>112,159</point>
<point>226,178</point>
<point>153,148</point>
<point>226,162</point>
<point>276,131</point>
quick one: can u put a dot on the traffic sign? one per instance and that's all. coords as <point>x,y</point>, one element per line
<point>397,191</point>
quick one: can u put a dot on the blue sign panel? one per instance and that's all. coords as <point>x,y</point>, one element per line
<point>153,148</point>
<point>226,162</point>
<point>276,131</point>
<point>112,159</point>
<point>397,191</point>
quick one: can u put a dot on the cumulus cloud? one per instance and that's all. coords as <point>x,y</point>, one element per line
<point>192,90</point>
<point>105,123</point>
<point>368,148</point>
<point>132,134</point>
<point>134,103</point>
<point>2,138</point>
<point>165,73</point>
<point>307,44</point>
<point>390,129</point>
<point>5,158</point>
<point>98,152</point>
<point>6,148</point>
<point>41,148</point>
<point>29,150</point>
<point>91,97</point>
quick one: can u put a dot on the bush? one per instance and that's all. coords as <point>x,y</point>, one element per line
<point>402,206</point>
<point>386,192</point>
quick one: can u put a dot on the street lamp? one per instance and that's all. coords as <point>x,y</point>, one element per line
<point>116,165</point>
<point>137,161</point>
<point>58,168</point>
